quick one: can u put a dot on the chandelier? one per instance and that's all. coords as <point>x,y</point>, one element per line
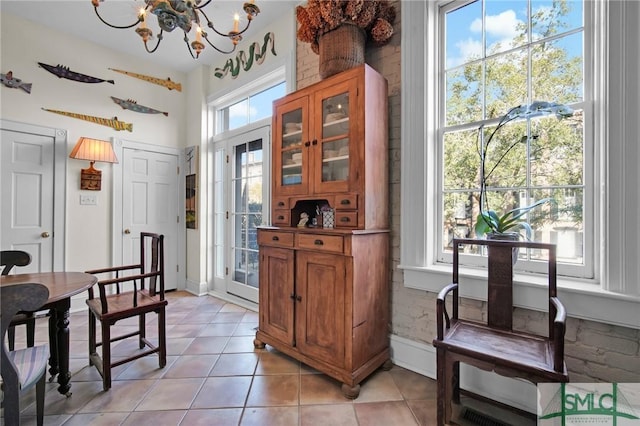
<point>183,14</point>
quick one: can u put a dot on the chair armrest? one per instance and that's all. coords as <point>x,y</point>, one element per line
<point>441,310</point>
<point>112,269</point>
<point>103,283</point>
<point>556,333</point>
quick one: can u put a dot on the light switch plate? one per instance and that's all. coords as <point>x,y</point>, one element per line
<point>88,200</point>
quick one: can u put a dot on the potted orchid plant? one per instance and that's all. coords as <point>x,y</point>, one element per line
<point>508,225</point>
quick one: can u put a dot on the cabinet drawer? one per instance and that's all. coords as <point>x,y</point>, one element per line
<point>281,217</point>
<point>346,202</point>
<point>332,243</point>
<point>346,219</point>
<point>280,203</point>
<point>275,238</point>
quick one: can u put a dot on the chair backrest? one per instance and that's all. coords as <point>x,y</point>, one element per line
<point>152,260</point>
<point>500,261</point>
<point>14,298</point>
<point>11,258</point>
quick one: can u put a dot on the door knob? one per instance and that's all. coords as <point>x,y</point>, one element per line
<point>45,234</point>
<point>127,231</point>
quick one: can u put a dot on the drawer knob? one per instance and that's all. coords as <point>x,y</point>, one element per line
<point>280,217</point>
<point>318,242</point>
<point>344,219</point>
<point>275,238</point>
<point>345,202</point>
<point>281,204</point>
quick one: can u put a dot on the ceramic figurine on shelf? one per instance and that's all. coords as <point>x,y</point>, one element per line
<point>304,218</point>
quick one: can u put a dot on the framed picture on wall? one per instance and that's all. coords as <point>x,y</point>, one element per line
<point>191,188</point>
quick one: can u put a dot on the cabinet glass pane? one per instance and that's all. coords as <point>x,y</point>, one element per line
<point>335,116</point>
<point>292,167</point>
<point>292,129</point>
<point>335,160</point>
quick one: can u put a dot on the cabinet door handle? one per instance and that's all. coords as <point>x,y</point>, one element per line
<point>318,242</point>
<point>307,143</point>
<point>345,202</point>
<point>275,238</point>
<point>315,142</point>
<point>299,298</point>
<point>344,219</point>
<point>293,296</point>
<point>280,217</point>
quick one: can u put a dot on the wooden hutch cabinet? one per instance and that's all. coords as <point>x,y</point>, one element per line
<point>324,291</point>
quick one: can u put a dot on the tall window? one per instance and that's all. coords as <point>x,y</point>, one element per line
<point>495,55</point>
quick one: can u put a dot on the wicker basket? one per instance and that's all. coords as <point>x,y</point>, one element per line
<point>341,49</point>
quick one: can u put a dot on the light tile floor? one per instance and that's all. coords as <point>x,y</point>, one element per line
<point>215,376</point>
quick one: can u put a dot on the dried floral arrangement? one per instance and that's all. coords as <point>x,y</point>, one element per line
<point>375,17</point>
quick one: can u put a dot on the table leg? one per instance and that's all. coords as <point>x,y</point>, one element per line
<point>53,344</point>
<point>62,337</point>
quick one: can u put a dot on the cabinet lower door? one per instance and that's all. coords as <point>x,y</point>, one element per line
<point>320,306</point>
<point>276,290</point>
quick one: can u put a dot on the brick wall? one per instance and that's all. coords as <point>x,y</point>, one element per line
<point>594,352</point>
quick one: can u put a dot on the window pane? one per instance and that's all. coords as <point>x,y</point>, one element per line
<point>557,69</point>
<point>464,35</point>
<point>261,103</point>
<point>506,156</point>
<point>506,82</point>
<point>506,25</point>
<point>550,17</point>
<point>238,114</point>
<point>461,160</point>
<point>464,94</point>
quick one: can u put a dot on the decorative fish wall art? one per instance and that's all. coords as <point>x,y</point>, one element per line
<point>15,83</point>
<point>132,105</point>
<point>63,72</point>
<point>168,83</point>
<point>114,123</point>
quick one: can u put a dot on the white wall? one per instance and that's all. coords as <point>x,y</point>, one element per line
<point>23,44</point>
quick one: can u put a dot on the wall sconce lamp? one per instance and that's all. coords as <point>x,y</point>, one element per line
<point>92,150</point>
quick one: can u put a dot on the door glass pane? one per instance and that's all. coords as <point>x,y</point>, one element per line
<point>335,160</point>
<point>292,148</point>
<point>247,211</point>
<point>335,116</point>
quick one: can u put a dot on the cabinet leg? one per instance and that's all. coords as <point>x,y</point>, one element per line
<point>350,392</point>
<point>388,365</point>
<point>258,344</point>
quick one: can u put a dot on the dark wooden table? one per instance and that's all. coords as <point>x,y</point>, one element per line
<point>61,285</point>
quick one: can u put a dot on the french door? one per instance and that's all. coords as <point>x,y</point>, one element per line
<point>247,186</point>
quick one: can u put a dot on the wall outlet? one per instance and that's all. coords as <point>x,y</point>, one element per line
<point>88,200</point>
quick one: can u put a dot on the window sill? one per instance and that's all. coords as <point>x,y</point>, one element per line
<point>582,299</point>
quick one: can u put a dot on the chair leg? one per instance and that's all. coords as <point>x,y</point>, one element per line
<point>162,338</point>
<point>40,400</point>
<point>11,336</point>
<point>441,386</point>
<point>92,336</point>
<point>142,329</point>
<point>106,355</point>
<point>455,383</point>
<point>11,403</point>
<point>31,331</point>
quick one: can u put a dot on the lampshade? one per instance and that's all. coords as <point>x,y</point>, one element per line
<point>92,150</point>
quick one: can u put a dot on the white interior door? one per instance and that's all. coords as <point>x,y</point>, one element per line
<point>150,203</point>
<point>27,181</point>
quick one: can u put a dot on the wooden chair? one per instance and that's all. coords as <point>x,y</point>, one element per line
<point>23,368</point>
<point>144,293</point>
<point>494,345</point>
<point>9,259</point>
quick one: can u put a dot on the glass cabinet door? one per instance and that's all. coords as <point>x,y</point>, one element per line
<point>334,149</point>
<point>291,151</point>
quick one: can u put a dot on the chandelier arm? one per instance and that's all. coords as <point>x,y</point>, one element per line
<point>123,27</point>
<point>210,25</point>
<point>186,41</point>
<point>157,44</point>
<point>202,5</point>
<point>219,50</point>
